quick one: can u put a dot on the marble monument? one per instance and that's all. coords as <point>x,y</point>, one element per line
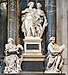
<point>34,22</point>
<point>33,25</point>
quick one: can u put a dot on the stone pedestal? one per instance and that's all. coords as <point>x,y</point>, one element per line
<point>32,58</point>
<point>32,46</point>
<point>33,63</point>
<point>33,49</point>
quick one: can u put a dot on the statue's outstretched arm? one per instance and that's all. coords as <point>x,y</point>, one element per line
<point>24,11</point>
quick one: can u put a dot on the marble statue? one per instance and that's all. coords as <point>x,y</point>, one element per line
<point>12,60</point>
<point>28,20</point>
<point>55,60</point>
<point>40,21</point>
<point>33,20</point>
<point>10,47</point>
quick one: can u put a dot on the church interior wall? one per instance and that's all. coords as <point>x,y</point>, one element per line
<point>62,28</point>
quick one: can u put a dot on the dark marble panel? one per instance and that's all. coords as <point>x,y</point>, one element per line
<point>32,46</point>
<point>33,66</point>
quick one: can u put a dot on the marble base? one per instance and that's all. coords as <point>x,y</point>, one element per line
<point>33,63</point>
<point>32,45</point>
<point>33,58</point>
<point>35,73</point>
<point>33,66</point>
<point>51,71</point>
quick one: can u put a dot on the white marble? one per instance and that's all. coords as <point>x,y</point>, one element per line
<point>32,41</point>
<point>12,60</point>
<point>32,20</point>
<point>40,15</point>
<point>10,46</point>
<point>28,20</point>
<point>55,60</point>
<point>11,64</point>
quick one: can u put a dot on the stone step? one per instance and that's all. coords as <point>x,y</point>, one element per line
<point>35,73</point>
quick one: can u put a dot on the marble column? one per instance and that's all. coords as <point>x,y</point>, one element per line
<point>12,19</point>
<point>51,15</point>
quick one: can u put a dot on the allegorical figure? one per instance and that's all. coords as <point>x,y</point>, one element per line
<point>40,21</point>
<point>10,47</point>
<point>28,20</point>
<point>12,60</point>
<point>54,55</point>
<point>33,20</point>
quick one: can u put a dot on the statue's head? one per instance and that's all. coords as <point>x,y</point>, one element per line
<point>52,39</point>
<point>10,40</point>
<point>39,5</point>
<point>30,4</point>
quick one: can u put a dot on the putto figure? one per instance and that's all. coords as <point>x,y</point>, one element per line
<point>12,60</point>
<point>33,20</point>
<point>55,60</point>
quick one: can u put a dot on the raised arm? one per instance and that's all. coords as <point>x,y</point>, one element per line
<point>24,11</point>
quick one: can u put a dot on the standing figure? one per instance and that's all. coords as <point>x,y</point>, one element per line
<point>40,21</point>
<point>54,55</point>
<point>28,20</point>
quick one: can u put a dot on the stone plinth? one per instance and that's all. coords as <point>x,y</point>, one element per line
<point>32,46</point>
<point>33,63</point>
<point>36,73</point>
<point>32,57</point>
